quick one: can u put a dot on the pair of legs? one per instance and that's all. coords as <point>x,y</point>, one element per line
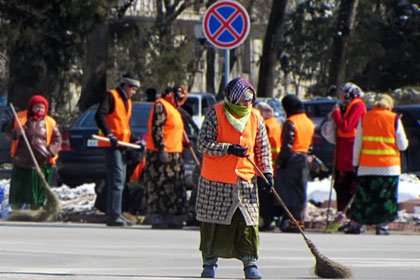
<point>375,203</point>
<point>116,164</point>
<point>345,183</point>
<point>27,188</point>
<point>236,240</point>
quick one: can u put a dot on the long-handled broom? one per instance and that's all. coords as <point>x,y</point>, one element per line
<point>324,267</point>
<point>340,218</point>
<point>52,206</point>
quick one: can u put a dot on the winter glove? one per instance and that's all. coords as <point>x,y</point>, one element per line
<point>142,145</point>
<point>266,186</point>
<point>163,156</point>
<point>237,150</point>
<point>187,145</point>
<point>113,140</point>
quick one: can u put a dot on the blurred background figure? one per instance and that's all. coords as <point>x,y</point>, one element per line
<point>26,187</point>
<point>346,116</point>
<point>379,140</point>
<point>292,166</point>
<point>164,179</point>
<point>151,94</point>
<point>273,128</point>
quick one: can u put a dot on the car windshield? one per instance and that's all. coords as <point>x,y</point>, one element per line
<point>192,102</point>
<point>317,110</point>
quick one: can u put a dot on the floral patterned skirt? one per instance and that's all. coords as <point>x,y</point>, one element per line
<point>165,192</point>
<point>376,200</point>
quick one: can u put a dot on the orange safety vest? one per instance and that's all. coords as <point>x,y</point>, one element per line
<point>379,148</point>
<point>350,134</point>
<point>135,177</point>
<point>119,120</point>
<point>172,131</point>
<point>304,131</point>
<point>274,136</point>
<point>228,168</point>
<point>49,125</point>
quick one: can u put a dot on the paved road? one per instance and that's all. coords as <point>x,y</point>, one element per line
<point>91,251</point>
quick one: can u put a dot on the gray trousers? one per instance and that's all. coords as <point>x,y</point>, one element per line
<point>116,167</point>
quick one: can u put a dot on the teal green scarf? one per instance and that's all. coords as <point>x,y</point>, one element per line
<point>232,110</point>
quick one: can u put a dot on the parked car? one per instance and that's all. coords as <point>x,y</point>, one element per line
<point>81,160</point>
<point>198,105</point>
<point>279,113</point>
<point>410,159</point>
<point>411,122</point>
<point>5,143</point>
<point>318,109</point>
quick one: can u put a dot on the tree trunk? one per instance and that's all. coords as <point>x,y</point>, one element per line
<point>271,49</point>
<point>345,22</point>
<point>28,75</point>
<point>95,68</point>
<point>210,71</point>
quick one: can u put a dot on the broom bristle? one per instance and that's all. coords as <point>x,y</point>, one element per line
<point>326,268</point>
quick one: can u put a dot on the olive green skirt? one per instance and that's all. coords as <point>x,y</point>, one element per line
<point>26,187</point>
<point>236,240</point>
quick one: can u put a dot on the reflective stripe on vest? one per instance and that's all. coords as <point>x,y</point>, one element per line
<point>304,131</point>
<point>378,142</point>
<point>274,136</point>
<point>228,168</point>
<point>118,121</point>
<point>49,127</point>
<point>172,131</point>
<point>350,134</point>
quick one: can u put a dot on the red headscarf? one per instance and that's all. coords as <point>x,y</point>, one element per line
<point>34,100</point>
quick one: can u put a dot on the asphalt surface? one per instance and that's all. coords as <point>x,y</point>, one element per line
<point>94,251</point>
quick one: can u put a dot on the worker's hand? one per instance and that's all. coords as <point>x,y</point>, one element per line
<point>163,156</point>
<point>267,186</point>
<point>186,144</point>
<point>142,145</point>
<point>237,150</point>
<point>113,140</point>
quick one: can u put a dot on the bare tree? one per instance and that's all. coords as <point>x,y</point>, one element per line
<point>271,48</point>
<point>345,22</point>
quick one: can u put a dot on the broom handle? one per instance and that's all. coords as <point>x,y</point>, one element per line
<point>121,143</point>
<point>277,196</point>
<point>331,185</point>
<point>38,169</point>
<point>191,149</point>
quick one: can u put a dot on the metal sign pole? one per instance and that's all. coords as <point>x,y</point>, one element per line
<point>227,66</point>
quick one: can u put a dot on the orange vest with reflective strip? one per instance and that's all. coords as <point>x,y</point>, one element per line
<point>49,125</point>
<point>228,168</point>
<point>304,130</point>
<point>119,120</point>
<point>172,131</point>
<point>274,136</point>
<point>379,148</point>
<point>350,134</point>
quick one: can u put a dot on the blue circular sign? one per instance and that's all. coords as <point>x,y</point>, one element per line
<point>226,24</point>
